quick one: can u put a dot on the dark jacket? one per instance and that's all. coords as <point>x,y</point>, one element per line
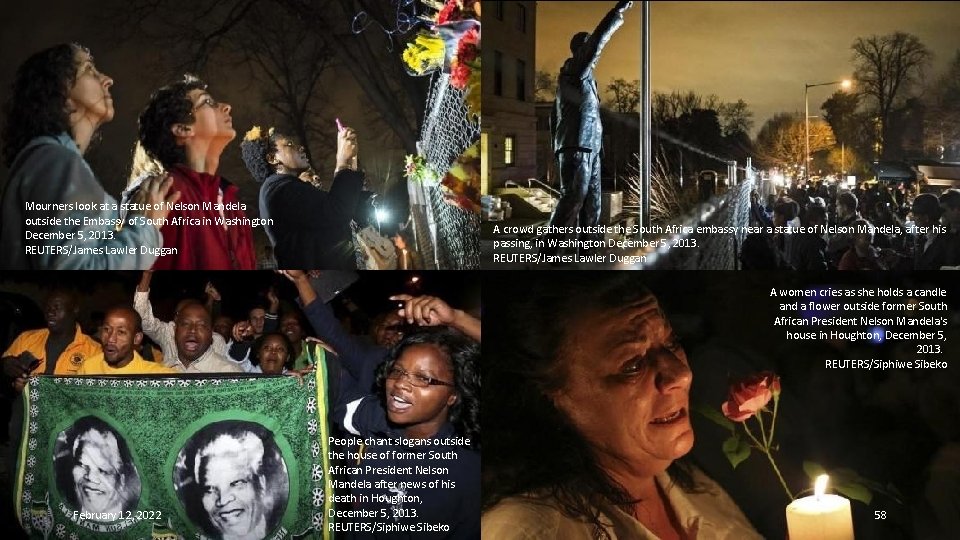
<point>575,118</point>
<point>455,469</point>
<point>939,253</point>
<point>311,228</point>
<point>358,358</point>
<point>839,243</point>
<point>809,252</point>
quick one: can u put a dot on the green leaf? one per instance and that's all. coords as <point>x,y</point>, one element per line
<point>845,481</point>
<point>813,470</point>
<point>736,450</point>
<point>714,416</point>
<point>855,491</point>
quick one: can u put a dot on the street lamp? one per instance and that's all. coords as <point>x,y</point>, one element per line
<point>845,84</point>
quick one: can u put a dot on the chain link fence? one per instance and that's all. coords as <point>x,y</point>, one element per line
<point>705,250</point>
<point>448,237</point>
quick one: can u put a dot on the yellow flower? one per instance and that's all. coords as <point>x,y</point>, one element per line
<point>410,56</point>
<point>424,54</point>
<point>432,45</point>
<point>253,134</point>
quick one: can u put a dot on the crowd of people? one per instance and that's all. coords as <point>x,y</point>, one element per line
<point>177,212</point>
<point>415,376</point>
<point>876,227</point>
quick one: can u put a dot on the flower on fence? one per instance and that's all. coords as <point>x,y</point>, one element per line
<point>453,45</point>
<point>424,54</point>
<point>466,62</point>
<point>457,10</point>
<point>417,168</point>
<point>461,184</point>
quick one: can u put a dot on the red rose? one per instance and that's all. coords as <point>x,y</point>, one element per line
<point>750,395</point>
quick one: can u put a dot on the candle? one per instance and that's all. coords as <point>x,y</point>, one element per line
<point>821,516</point>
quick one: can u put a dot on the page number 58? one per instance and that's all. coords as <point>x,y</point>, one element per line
<point>879,514</point>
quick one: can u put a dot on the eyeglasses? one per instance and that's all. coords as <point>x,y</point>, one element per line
<point>207,101</point>
<point>416,379</point>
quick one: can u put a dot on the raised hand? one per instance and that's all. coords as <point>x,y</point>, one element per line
<point>157,192</point>
<point>212,292</point>
<point>425,310</point>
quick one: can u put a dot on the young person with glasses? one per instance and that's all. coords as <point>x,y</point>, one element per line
<point>419,462</point>
<point>186,129</point>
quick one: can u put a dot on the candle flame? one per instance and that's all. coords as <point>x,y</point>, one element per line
<point>820,485</point>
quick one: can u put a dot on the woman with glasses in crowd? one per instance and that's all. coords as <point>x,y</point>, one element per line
<point>421,465</point>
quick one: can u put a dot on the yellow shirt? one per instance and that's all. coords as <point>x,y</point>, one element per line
<point>97,365</point>
<point>35,341</point>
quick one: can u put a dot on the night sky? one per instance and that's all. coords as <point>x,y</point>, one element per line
<point>761,52</point>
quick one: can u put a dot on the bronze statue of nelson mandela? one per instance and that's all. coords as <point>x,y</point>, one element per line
<point>577,132</point>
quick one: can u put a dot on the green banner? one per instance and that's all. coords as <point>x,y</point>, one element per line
<point>163,457</point>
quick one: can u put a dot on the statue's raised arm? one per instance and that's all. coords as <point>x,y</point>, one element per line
<point>591,45</point>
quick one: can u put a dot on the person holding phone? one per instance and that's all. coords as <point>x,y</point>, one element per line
<point>308,227</point>
<point>62,341</point>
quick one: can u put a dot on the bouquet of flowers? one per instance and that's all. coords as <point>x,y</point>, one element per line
<point>425,54</point>
<point>461,184</point>
<point>453,45</point>
<point>416,168</point>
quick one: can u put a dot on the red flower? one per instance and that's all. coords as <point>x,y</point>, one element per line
<point>450,12</point>
<point>467,49</point>
<point>750,395</point>
<point>471,37</point>
<point>459,75</point>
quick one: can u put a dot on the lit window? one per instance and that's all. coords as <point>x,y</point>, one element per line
<point>508,149</point>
